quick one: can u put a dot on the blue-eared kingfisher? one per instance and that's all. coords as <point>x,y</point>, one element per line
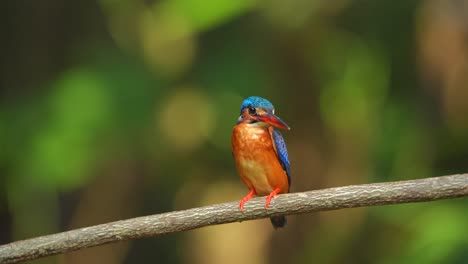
<point>260,153</point>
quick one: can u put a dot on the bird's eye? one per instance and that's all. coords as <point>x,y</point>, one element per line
<point>252,110</point>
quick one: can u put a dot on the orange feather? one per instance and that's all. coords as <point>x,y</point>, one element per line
<point>257,161</point>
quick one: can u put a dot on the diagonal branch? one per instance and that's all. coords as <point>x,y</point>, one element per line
<point>421,190</point>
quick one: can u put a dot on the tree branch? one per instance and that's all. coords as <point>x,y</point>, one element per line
<point>428,189</point>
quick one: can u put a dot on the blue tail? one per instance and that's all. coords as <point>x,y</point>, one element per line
<point>278,221</point>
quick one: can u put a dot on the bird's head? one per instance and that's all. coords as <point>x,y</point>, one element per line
<point>260,112</point>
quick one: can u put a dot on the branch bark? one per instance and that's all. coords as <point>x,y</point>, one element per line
<point>428,189</point>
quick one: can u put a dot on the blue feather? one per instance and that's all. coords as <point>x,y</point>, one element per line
<point>282,153</point>
<point>256,101</point>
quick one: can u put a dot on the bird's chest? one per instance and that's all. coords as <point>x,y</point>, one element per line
<point>250,142</point>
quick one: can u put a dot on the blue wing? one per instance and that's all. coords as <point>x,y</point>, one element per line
<point>282,152</point>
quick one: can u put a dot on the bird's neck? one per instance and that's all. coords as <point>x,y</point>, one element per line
<point>258,125</point>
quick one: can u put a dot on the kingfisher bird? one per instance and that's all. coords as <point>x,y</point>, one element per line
<point>260,153</point>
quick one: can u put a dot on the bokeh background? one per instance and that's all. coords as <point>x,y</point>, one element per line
<point>115,109</point>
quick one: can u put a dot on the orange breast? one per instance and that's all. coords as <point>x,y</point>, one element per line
<point>256,160</point>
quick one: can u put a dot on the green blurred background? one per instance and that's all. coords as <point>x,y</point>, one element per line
<point>116,109</point>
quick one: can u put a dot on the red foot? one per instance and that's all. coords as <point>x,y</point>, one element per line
<point>245,199</point>
<point>270,196</point>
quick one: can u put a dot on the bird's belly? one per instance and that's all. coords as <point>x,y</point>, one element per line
<point>255,174</point>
